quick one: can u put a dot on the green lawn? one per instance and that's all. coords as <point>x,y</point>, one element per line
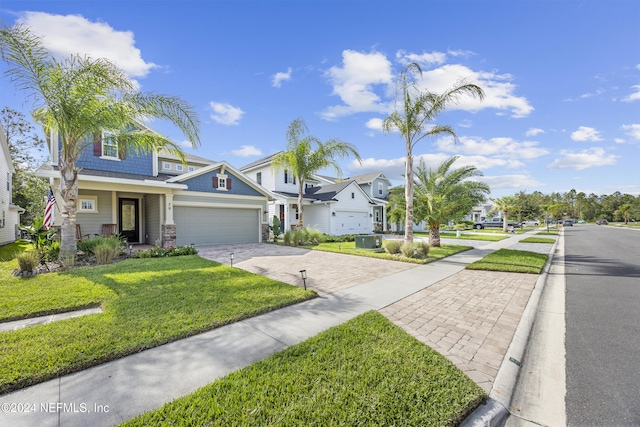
<point>467,235</point>
<point>550,232</point>
<point>511,261</point>
<point>350,249</point>
<point>146,302</point>
<point>538,240</point>
<point>364,372</point>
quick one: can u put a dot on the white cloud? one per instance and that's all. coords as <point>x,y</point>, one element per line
<point>635,96</point>
<point>375,124</point>
<point>591,157</point>
<point>585,133</point>
<point>354,83</point>
<point>66,35</point>
<point>225,114</point>
<point>498,89</point>
<point>246,151</point>
<point>423,59</point>
<point>632,130</point>
<point>280,77</point>
<point>518,181</point>
<point>534,131</point>
<point>499,147</point>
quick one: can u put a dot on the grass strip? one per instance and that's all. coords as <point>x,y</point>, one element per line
<point>364,372</point>
<point>538,240</point>
<point>146,302</point>
<point>468,236</point>
<point>349,248</point>
<point>510,260</point>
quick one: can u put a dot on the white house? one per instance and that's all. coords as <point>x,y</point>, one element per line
<point>9,213</point>
<point>332,206</point>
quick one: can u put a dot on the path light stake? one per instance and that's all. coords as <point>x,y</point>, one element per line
<point>231,258</point>
<point>339,246</point>
<point>303,273</point>
<point>130,249</point>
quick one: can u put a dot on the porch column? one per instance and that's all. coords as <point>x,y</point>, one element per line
<point>384,218</point>
<point>168,227</point>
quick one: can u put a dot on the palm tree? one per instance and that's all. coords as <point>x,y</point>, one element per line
<point>624,211</point>
<point>79,97</point>
<point>414,122</point>
<point>443,193</point>
<point>307,155</point>
<point>506,204</point>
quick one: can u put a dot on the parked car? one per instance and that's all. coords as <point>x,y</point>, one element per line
<point>495,222</point>
<point>566,222</point>
<point>602,222</point>
<point>531,223</point>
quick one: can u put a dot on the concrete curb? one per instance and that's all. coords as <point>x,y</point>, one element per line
<point>495,411</point>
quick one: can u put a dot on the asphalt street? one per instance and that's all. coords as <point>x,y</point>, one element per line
<point>602,268</point>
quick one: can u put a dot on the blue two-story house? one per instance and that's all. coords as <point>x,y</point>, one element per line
<point>156,199</point>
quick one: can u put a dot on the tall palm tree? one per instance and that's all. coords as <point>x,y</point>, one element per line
<point>413,120</point>
<point>624,211</point>
<point>443,194</point>
<point>79,97</point>
<point>306,155</point>
<point>507,205</point>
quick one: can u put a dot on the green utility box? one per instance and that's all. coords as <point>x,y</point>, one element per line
<point>368,241</point>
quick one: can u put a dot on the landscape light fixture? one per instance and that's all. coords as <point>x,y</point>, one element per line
<point>303,273</point>
<point>231,258</point>
<point>130,249</point>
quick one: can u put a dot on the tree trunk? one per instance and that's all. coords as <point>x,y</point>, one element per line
<point>505,217</point>
<point>408,193</point>
<point>434,235</point>
<point>69,193</point>
<point>300,197</point>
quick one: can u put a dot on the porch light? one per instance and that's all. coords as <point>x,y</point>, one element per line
<point>370,215</point>
<point>231,258</point>
<point>303,273</point>
<point>333,213</point>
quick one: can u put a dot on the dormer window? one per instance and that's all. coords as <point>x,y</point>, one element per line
<point>191,168</point>
<point>179,168</point>
<point>166,166</point>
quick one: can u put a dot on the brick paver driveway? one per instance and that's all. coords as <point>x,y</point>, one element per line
<point>327,272</point>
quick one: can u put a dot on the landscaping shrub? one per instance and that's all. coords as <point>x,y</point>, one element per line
<point>393,246</point>
<point>314,236</point>
<point>423,248</point>
<point>158,252</point>
<point>88,245</point>
<point>53,251</point>
<point>288,236</point>
<point>275,228</point>
<point>29,260</point>
<point>104,253</point>
<point>407,250</point>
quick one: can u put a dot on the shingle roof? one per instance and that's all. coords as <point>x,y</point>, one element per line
<point>367,177</point>
<point>164,154</point>
<point>258,162</point>
<point>109,174</point>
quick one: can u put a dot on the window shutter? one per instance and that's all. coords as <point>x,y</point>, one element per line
<point>97,144</point>
<point>229,183</point>
<point>215,182</point>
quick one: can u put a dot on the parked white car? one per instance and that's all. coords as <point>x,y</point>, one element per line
<point>531,223</point>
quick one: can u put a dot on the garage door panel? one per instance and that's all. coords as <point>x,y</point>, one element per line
<point>215,226</point>
<point>349,222</point>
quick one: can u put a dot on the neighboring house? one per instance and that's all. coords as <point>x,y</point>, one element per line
<point>332,206</point>
<point>9,213</point>
<point>155,199</point>
<point>480,212</point>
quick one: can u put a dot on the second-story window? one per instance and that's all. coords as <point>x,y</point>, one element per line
<point>380,189</point>
<point>191,168</point>
<point>286,176</point>
<point>259,178</point>
<point>166,166</point>
<point>109,145</point>
<point>179,168</point>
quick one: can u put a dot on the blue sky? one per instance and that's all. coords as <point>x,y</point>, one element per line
<point>562,78</point>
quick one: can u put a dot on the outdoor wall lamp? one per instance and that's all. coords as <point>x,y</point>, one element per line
<point>231,258</point>
<point>333,213</point>
<point>303,273</point>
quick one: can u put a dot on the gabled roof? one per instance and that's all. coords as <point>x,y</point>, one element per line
<point>224,166</point>
<point>260,162</point>
<point>368,178</point>
<point>324,193</point>
<point>164,154</point>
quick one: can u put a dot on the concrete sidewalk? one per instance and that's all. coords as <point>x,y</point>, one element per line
<point>116,391</point>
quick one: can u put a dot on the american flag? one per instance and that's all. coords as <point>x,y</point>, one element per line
<point>48,210</point>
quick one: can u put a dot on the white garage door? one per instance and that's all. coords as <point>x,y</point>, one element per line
<point>347,222</point>
<point>215,226</point>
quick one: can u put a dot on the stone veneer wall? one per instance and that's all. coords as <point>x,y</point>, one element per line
<point>168,235</point>
<point>265,233</point>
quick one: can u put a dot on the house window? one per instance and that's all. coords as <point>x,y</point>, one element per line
<point>380,189</point>
<point>179,168</point>
<point>222,182</point>
<point>286,176</point>
<point>191,168</point>
<point>259,178</point>
<point>87,204</point>
<point>166,166</point>
<point>353,195</point>
<point>109,145</point>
